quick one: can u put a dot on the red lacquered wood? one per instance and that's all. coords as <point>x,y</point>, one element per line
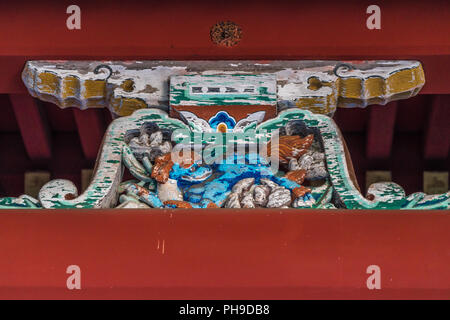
<point>221,254</point>
<point>187,254</point>
<point>91,127</point>
<point>181,29</point>
<point>33,126</point>
<point>437,136</point>
<point>380,131</point>
<point>270,30</point>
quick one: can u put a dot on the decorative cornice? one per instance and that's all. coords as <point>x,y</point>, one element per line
<point>125,86</point>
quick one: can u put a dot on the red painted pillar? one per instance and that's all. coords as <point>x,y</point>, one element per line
<point>380,131</point>
<point>33,126</point>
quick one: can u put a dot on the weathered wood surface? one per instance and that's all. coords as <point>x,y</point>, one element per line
<point>318,86</point>
<point>224,102</point>
<point>303,93</point>
<point>338,191</point>
<point>222,90</point>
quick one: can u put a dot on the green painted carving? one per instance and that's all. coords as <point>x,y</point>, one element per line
<point>103,190</point>
<point>337,192</point>
<point>219,90</point>
<point>21,202</point>
<point>386,195</point>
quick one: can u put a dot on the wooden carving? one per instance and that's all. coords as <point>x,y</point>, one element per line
<point>224,134</point>
<point>318,86</point>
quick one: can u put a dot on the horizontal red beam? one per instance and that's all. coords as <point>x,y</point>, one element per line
<point>270,30</point>
<point>282,27</point>
<point>188,254</point>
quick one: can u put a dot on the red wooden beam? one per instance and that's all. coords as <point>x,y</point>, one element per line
<point>91,127</point>
<point>437,134</point>
<point>273,28</point>
<point>33,126</point>
<point>194,254</point>
<point>336,30</point>
<point>380,131</point>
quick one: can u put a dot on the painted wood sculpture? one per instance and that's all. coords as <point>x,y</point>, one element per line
<point>225,103</point>
<point>318,86</point>
<point>225,134</point>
